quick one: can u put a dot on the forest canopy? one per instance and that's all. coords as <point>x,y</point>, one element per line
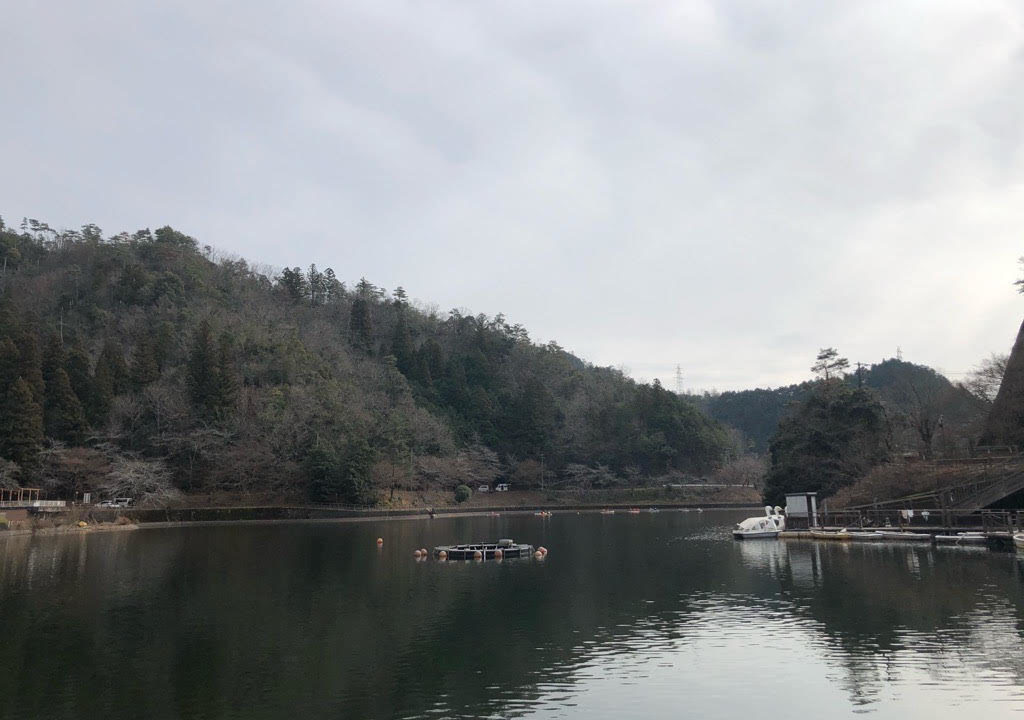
<point>145,350</point>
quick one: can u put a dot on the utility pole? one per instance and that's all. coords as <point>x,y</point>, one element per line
<point>542,472</point>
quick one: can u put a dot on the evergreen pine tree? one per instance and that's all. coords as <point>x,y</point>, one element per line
<point>163,344</point>
<point>112,356</point>
<point>332,288</point>
<point>10,359</point>
<point>21,424</point>
<point>8,318</point>
<point>63,415</point>
<point>54,359</point>
<point>202,370</point>
<point>324,473</point>
<point>227,376</point>
<point>102,395</point>
<point>30,365</point>
<point>401,345</point>
<point>359,324</point>
<point>144,368</point>
<point>356,475</point>
<point>78,372</point>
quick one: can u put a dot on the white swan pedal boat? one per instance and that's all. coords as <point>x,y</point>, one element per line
<point>769,526</point>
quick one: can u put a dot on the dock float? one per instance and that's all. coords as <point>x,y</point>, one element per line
<point>993,540</point>
<point>484,551</point>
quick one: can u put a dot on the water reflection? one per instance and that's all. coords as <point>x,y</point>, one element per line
<point>653,615</point>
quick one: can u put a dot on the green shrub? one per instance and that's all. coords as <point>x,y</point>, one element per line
<point>462,493</point>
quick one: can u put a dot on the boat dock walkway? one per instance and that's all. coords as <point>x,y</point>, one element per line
<point>998,540</point>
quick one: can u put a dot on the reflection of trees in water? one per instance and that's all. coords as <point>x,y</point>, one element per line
<point>875,605</point>
<point>313,620</point>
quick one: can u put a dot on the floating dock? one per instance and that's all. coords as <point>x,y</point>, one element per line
<point>484,550</point>
<point>993,540</point>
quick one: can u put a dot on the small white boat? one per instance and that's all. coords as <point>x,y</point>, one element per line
<point>866,535</point>
<point>768,526</point>
<point>964,538</point>
<point>898,536</point>
<point>1018,541</point>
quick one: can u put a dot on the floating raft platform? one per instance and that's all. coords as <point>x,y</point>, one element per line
<point>487,550</point>
<point>993,540</point>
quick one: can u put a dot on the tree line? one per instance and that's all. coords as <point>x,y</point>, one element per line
<point>222,377</point>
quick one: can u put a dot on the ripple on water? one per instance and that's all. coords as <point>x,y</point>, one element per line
<point>656,615</point>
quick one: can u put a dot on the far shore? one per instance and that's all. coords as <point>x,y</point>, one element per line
<point>131,520</point>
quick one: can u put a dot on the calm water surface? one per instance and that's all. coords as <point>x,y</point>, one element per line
<point>656,615</point>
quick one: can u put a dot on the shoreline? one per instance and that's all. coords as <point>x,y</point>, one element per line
<point>288,514</point>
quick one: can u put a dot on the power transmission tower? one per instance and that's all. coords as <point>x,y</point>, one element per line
<point>860,377</point>
<point>679,379</point>
<point>899,353</point>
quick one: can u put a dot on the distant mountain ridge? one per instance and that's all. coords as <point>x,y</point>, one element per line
<point>923,406</point>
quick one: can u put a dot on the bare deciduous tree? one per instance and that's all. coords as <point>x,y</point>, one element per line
<point>984,380</point>
<point>147,482</point>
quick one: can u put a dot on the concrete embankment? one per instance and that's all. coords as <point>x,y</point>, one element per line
<point>284,512</point>
<point>92,519</point>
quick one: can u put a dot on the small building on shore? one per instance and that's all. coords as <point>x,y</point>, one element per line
<point>801,510</point>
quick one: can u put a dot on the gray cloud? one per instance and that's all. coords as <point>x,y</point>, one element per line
<point>728,186</point>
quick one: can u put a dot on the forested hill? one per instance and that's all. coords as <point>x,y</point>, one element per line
<point>919,404</point>
<point>145,360</point>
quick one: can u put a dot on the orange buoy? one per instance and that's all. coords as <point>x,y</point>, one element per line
<point>538,555</point>
<point>442,555</point>
<point>542,550</point>
<point>380,541</point>
<point>416,554</point>
<point>424,553</point>
<point>477,555</point>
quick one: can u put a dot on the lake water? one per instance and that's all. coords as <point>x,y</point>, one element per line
<point>655,615</point>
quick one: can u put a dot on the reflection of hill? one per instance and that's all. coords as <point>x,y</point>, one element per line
<point>311,620</point>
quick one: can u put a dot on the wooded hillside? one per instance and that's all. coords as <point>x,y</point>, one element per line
<point>928,413</point>
<point>142,363</point>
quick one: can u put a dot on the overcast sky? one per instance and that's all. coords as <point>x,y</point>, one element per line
<point>726,185</point>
